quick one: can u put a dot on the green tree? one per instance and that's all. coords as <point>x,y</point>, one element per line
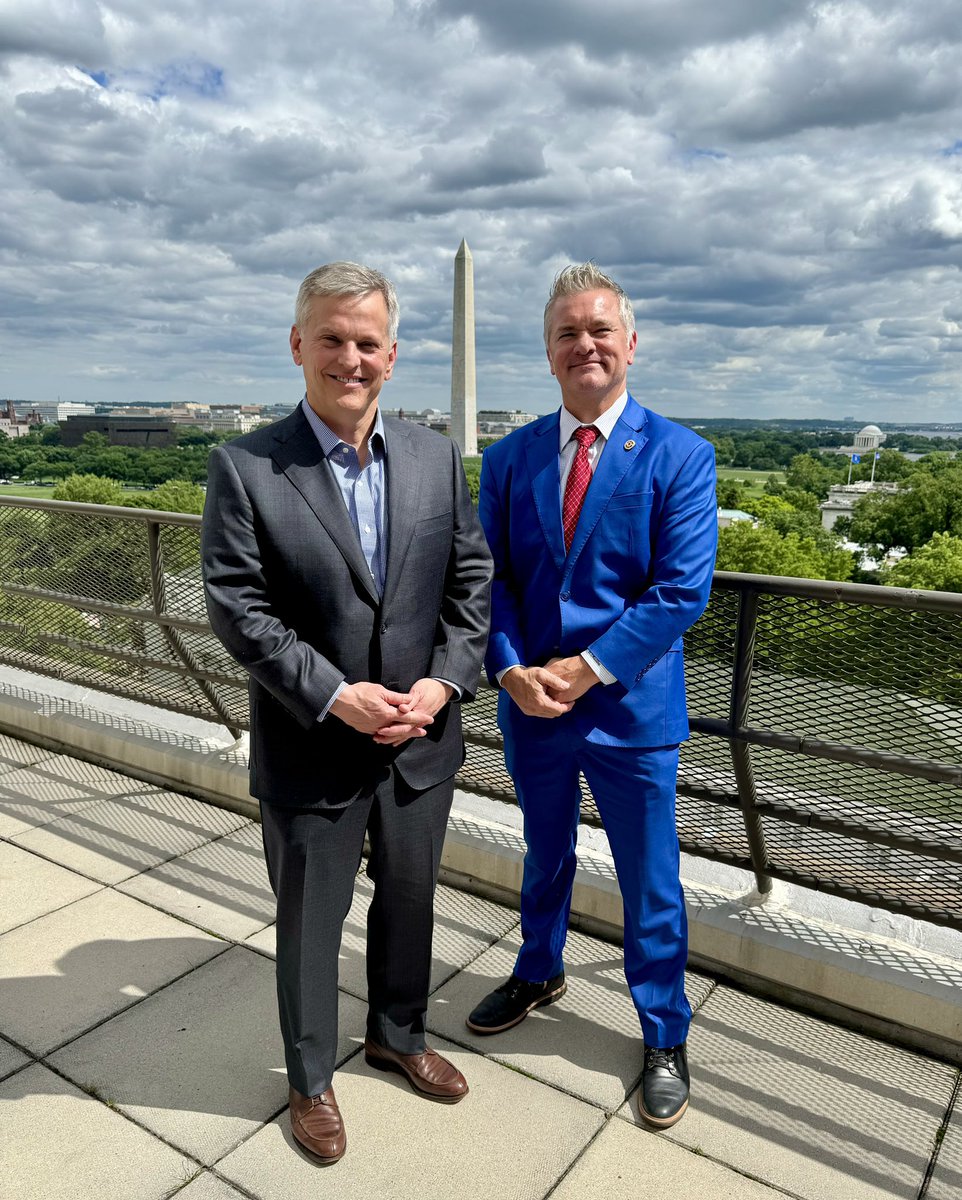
<point>937,566</point>
<point>806,473</point>
<point>763,551</point>
<point>728,493</point>
<point>472,471</point>
<point>176,495</point>
<point>724,449</point>
<point>930,502</point>
<point>89,489</point>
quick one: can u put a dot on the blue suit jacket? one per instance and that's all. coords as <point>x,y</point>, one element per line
<point>637,576</point>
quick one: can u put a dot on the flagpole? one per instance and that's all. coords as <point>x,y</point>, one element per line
<point>874,461</point>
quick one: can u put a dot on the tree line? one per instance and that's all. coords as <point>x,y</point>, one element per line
<point>922,521</point>
<point>41,457</point>
<point>912,537</point>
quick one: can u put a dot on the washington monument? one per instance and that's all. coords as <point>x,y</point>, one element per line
<point>464,400</point>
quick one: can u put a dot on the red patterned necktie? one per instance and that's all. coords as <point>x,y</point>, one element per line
<point>577,484</point>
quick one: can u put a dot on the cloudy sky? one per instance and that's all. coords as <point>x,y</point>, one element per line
<point>777,184</point>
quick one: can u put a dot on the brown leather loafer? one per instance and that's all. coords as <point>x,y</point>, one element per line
<point>317,1126</point>
<point>428,1073</point>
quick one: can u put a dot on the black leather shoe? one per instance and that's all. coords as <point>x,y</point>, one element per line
<point>664,1086</point>
<point>509,1004</point>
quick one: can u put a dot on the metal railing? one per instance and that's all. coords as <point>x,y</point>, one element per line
<point>826,718</point>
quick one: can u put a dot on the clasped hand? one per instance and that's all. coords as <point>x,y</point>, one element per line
<point>391,717</point>
<point>551,690</point>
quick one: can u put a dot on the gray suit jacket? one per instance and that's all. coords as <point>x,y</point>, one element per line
<point>290,596</point>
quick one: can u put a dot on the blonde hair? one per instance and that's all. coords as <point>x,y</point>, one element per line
<point>585,277</point>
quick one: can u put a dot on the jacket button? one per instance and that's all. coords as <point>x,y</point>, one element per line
<point>566,596</point>
<point>384,629</point>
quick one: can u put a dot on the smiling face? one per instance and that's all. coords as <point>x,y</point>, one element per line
<point>590,351</point>
<point>344,351</point>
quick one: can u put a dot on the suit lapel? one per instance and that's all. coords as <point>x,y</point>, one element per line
<point>403,498</point>
<point>544,472</point>
<point>298,454</point>
<point>628,440</point>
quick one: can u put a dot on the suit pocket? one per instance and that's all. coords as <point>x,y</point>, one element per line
<point>439,523</point>
<point>631,500</point>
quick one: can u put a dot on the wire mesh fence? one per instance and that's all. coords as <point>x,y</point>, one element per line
<point>826,743</point>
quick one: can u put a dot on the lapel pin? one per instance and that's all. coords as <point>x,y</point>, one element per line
<point>630,444</point>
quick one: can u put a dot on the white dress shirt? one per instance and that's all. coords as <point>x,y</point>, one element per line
<point>567,448</point>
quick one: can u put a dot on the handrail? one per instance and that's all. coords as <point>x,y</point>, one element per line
<point>826,717</point>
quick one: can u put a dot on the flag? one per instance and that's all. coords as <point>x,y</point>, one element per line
<point>878,455</point>
<point>856,458</point>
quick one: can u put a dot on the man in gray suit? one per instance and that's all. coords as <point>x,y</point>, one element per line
<point>346,570</point>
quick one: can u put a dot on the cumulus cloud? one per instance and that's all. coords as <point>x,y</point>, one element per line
<point>778,186</point>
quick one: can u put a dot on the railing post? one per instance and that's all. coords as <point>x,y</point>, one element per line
<point>158,595</point>
<point>740,751</point>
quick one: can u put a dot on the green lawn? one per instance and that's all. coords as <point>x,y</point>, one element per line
<point>755,479</point>
<point>25,489</point>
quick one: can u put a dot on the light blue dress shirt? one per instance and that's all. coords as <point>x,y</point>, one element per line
<point>362,489</point>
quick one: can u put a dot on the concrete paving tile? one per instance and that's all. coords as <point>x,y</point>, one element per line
<point>264,940</point>
<point>222,886</point>
<point>11,1059</point>
<point>200,1063</point>
<point>119,838</point>
<point>464,926</point>
<point>946,1181</point>
<point>104,1155</point>
<point>209,1187</point>
<point>55,788</point>
<point>808,1106</point>
<point>405,1147</point>
<point>626,1163</point>
<point>588,1043</point>
<point>31,886</point>
<point>77,966</point>
<point>15,753</point>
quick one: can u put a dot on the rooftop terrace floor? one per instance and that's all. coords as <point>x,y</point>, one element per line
<point>140,1055</point>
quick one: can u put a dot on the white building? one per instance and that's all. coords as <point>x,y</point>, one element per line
<point>732,516</point>
<point>52,411</point>
<point>868,439</point>
<point>842,498</point>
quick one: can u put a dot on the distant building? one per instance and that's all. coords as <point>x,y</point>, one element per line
<point>11,425</point>
<point>868,439</point>
<point>431,418</point>
<point>493,424</point>
<point>234,418</point>
<point>732,516</point>
<point>49,412</point>
<point>842,498</point>
<point>157,433</point>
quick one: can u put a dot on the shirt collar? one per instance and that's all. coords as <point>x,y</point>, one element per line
<point>328,439</point>
<point>604,424</point>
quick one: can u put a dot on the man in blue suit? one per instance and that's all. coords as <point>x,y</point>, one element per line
<point>602,522</point>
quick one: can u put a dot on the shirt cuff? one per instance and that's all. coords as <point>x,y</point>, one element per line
<point>599,668</point>
<point>458,692</point>
<point>504,670</point>
<point>327,707</point>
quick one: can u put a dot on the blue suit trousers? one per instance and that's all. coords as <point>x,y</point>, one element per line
<point>634,790</point>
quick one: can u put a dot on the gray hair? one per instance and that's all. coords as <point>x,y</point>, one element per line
<point>585,277</point>
<point>347,279</point>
